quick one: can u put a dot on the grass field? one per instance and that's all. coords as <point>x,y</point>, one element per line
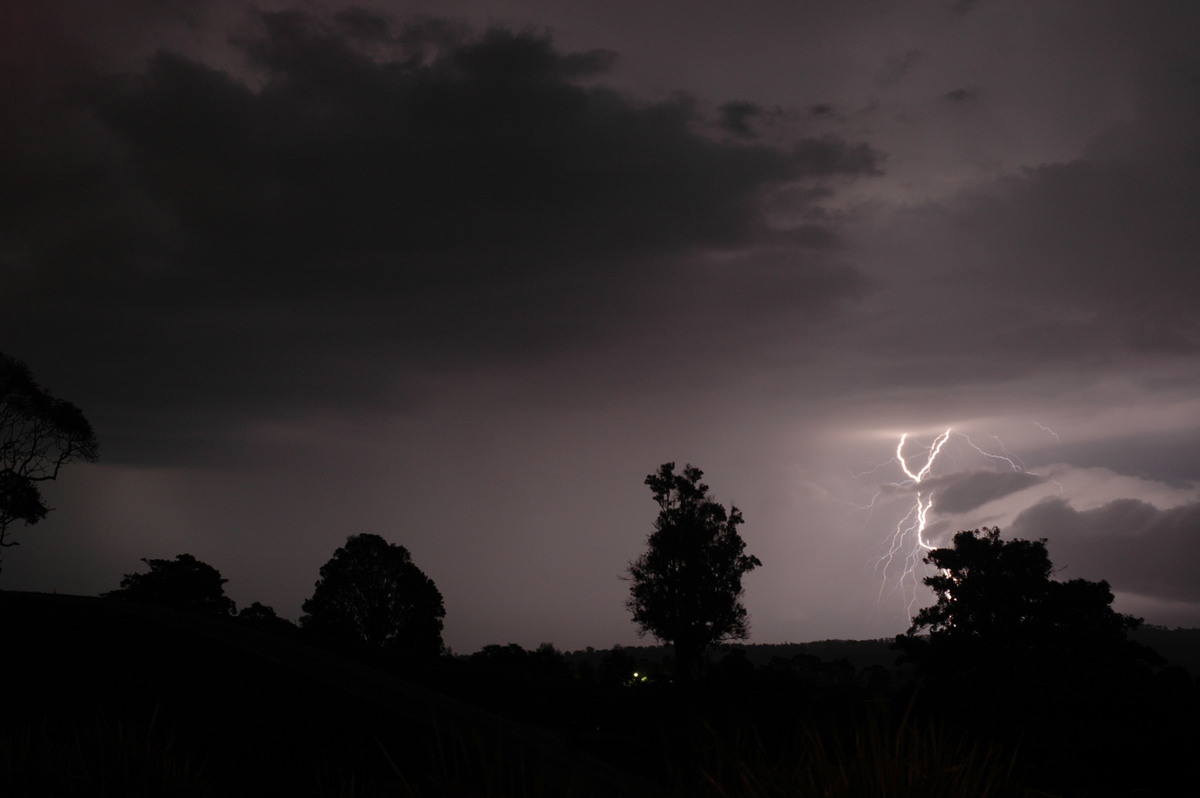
<point>107,698</point>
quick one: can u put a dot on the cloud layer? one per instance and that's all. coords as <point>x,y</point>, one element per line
<point>420,195</point>
<point>1134,545</point>
<point>464,277</point>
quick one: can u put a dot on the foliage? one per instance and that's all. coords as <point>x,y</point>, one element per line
<point>1012,650</point>
<point>870,755</point>
<point>686,588</point>
<point>264,617</point>
<point>183,583</point>
<point>104,755</point>
<point>998,605</point>
<point>39,434</point>
<point>370,592</point>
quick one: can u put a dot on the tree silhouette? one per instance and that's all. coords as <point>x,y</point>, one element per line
<point>39,434</point>
<point>999,612</point>
<point>371,593</point>
<point>1012,653</point>
<point>686,587</point>
<point>183,583</point>
<point>986,587</point>
<point>264,617</point>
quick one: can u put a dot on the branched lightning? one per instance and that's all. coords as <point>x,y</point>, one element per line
<point>1013,461</point>
<point>1044,428</point>
<point>912,525</point>
<point>907,543</point>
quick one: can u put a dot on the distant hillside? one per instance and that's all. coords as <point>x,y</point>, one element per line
<point>1178,646</point>
<point>859,653</point>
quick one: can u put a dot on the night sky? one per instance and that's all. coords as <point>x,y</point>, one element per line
<point>461,274</point>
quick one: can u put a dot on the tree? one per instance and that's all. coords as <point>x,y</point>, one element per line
<point>1016,655</point>
<point>686,588</point>
<point>264,617</point>
<point>371,593</point>
<point>39,434</point>
<point>183,583</point>
<point>986,588</point>
<point>1002,591</point>
<point>999,612</point>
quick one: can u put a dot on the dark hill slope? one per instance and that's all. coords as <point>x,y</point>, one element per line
<point>230,710</point>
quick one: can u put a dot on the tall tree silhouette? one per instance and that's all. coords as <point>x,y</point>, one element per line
<point>183,583</point>
<point>1013,653</point>
<point>39,434</point>
<point>371,593</point>
<point>686,588</point>
<point>1000,612</point>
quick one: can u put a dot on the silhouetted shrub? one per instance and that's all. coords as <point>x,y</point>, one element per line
<point>183,583</point>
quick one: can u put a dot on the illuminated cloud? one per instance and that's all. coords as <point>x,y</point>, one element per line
<point>1136,546</point>
<point>970,490</point>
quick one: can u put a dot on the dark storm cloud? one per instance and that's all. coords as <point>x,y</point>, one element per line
<point>896,67</point>
<point>487,143</point>
<point>1085,265</point>
<point>736,116</point>
<point>829,155</point>
<point>968,490</point>
<point>1107,252</point>
<point>363,201</point>
<point>963,491</point>
<point>1106,244</point>
<point>1137,547</point>
<point>1167,457</point>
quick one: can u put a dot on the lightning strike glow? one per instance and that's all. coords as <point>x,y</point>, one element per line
<point>938,443</point>
<point>907,542</point>
<point>921,509</point>
<point>912,526</point>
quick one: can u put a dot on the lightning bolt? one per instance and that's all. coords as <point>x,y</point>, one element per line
<point>1046,429</point>
<point>912,526</point>
<point>1013,461</point>
<point>907,544</point>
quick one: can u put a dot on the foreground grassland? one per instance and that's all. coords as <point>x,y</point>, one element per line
<point>113,699</point>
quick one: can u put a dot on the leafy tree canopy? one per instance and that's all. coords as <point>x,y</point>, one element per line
<point>686,588</point>
<point>370,592</point>
<point>998,607</point>
<point>39,434</point>
<point>183,583</point>
<point>265,618</point>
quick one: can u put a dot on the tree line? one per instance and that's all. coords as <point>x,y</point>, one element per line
<point>685,589</point>
<point>996,604</point>
<point>370,597</point>
<point>1006,653</point>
